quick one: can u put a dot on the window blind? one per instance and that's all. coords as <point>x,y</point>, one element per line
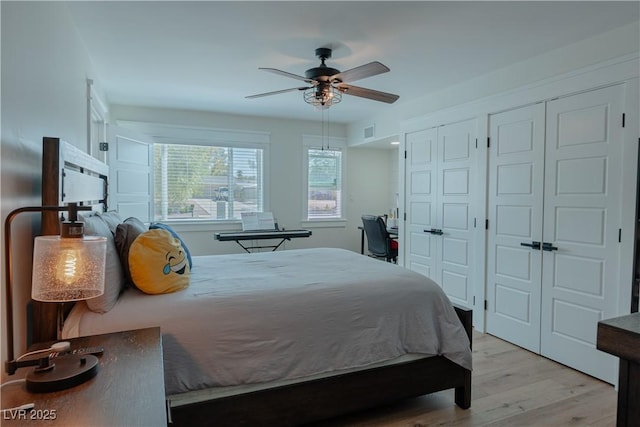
<point>207,182</point>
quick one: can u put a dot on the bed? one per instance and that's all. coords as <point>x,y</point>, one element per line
<point>291,337</point>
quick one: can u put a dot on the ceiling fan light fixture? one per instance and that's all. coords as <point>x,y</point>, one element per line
<point>322,96</point>
<point>328,84</point>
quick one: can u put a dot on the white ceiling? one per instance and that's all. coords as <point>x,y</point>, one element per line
<point>205,55</point>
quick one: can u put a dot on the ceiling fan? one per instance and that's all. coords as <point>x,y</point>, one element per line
<point>326,84</point>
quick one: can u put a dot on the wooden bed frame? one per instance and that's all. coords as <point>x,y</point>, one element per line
<point>310,401</point>
<point>69,175</point>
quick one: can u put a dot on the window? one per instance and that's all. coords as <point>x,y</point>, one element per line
<point>207,182</point>
<point>325,184</point>
<point>324,180</point>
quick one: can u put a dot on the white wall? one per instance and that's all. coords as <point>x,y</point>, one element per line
<point>609,45</point>
<point>367,178</point>
<point>44,72</point>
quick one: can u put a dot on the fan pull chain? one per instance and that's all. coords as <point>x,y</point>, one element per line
<point>328,129</point>
<point>322,129</point>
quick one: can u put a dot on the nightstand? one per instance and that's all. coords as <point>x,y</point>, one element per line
<point>128,390</point>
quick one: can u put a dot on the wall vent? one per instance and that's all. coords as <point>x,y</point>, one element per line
<point>369,132</point>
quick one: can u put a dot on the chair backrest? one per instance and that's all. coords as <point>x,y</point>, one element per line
<point>377,234</point>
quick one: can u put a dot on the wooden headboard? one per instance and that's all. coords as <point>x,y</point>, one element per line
<point>69,175</point>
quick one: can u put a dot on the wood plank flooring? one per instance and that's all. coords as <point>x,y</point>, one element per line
<point>510,387</point>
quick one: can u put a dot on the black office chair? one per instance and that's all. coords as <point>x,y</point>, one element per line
<point>379,244</point>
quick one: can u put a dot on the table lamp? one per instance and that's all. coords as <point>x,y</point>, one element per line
<point>68,267</point>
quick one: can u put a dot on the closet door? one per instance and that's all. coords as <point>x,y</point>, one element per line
<point>515,198</point>
<point>420,187</point>
<point>456,170</point>
<point>581,224</point>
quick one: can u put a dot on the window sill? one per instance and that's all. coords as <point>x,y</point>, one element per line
<point>203,225</point>
<point>324,223</point>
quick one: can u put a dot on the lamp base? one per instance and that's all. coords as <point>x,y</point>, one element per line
<point>68,371</point>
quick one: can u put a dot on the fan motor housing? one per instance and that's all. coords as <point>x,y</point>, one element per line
<point>317,73</point>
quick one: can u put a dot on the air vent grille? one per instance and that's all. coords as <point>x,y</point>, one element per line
<point>369,132</point>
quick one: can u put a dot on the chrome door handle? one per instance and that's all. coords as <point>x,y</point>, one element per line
<point>532,245</point>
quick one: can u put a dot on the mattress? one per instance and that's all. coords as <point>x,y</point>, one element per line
<point>263,317</point>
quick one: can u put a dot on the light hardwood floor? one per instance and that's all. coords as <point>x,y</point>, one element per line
<point>510,387</point>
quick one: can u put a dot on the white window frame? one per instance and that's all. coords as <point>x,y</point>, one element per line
<point>194,135</point>
<point>230,147</point>
<point>315,142</point>
<point>97,117</point>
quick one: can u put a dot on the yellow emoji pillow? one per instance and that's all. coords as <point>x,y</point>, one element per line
<point>158,263</point>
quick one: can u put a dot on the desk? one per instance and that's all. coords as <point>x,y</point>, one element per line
<point>239,236</point>
<point>128,390</point>
<point>393,233</point>
<point>620,336</point>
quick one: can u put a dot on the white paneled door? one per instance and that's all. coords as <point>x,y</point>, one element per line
<point>580,274</point>
<point>456,169</point>
<point>421,176</point>
<point>553,246</point>
<point>130,162</point>
<point>439,170</point>
<point>514,238</point>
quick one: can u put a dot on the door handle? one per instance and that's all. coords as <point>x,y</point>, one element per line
<point>546,246</point>
<point>435,231</point>
<point>532,245</point>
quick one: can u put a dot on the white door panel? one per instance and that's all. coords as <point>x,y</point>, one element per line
<point>455,216</point>
<point>421,182</point>
<point>455,285</point>
<point>421,213</point>
<point>130,167</point>
<point>516,168</point>
<point>456,166</point>
<point>420,246</point>
<point>455,182</point>
<point>581,219</point>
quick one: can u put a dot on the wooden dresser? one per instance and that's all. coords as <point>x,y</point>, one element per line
<point>620,336</point>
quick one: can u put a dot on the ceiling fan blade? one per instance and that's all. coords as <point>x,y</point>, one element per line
<point>260,95</point>
<point>286,74</point>
<point>376,95</point>
<point>357,73</point>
